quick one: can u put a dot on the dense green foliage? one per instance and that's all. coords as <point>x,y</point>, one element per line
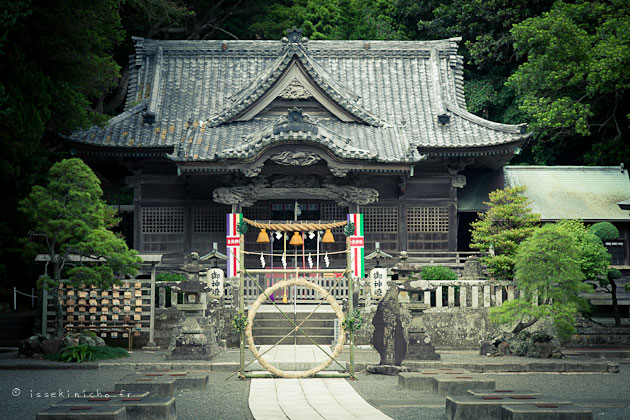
<point>499,231</point>
<point>594,258</point>
<point>68,218</point>
<point>547,273</point>
<point>170,277</point>
<point>605,231</point>
<point>437,272</point>
<point>574,85</point>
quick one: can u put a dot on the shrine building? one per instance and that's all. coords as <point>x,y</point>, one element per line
<point>295,128</point>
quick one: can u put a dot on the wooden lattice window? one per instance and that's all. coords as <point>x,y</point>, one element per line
<point>427,219</point>
<point>259,211</point>
<point>427,228</point>
<point>162,228</point>
<point>209,219</point>
<point>330,211</point>
<point>380,225</point>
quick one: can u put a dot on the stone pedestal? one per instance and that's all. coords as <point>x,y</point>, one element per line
<point>192,343</point>
<point>420,347</point>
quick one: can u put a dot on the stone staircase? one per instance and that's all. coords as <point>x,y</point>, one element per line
<point>270,325</point>
<point>15,327</point>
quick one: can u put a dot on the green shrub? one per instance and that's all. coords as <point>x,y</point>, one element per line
<point>437,272</point>
<point>605,231</point>
<point>170,277</point>
<point>613,274</point>
<point>80,354</point>
<point>85,353</point>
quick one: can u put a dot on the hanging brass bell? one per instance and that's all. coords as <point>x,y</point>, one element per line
<point>296,239</point>
<point>263,237</point>
<point>328,237</point>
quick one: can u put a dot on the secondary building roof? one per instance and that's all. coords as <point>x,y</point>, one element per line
<point>218,101</point>
<point>573,192</point>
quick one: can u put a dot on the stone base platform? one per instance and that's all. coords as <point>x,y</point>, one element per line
<point>503,392</point>
<point>159,386</point>
<point>137,408</point>
<point>545,412</point>
<point>488,407</point>
<point>444,381</point>
<point>83,412</point>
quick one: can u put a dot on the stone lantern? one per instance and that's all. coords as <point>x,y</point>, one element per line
<point>191,342</point>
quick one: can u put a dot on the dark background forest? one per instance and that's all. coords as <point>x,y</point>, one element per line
<point>563,67</point>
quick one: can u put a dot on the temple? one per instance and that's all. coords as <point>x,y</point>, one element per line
<point>295,129</point>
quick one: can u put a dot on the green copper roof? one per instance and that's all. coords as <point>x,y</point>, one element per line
<point>573,192</point>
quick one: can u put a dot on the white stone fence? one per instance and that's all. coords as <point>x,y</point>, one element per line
<point>467,294</point>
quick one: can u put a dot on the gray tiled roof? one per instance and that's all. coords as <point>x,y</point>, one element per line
<point>394,90</point>
<point>573,192</point>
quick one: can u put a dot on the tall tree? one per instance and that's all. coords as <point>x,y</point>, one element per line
<point>486,44</point>
<point>499,231</point>
<point>70,224</point>
<point>549,281</point>
<point>55,59</point>
<point>574,84</point>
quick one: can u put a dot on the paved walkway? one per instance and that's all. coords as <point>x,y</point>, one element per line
<point>311,398</point>
<point>295,357</point>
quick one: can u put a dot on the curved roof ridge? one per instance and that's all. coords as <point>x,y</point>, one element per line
<point>306,131</point>
<point>249,95</point>
<point>506,128</point>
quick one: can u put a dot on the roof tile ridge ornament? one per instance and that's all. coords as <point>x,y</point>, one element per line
<point>506,128</point>
<point>443,117</point>
<point>150,116</point>
<point>295,126</point>
<point>295,46</point>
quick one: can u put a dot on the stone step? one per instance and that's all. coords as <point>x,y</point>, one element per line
<point>160,386</point>
<point>137,408</point>
<point>488,407</point>
<point>295,366</point>
<point>183,379</point>
<point>283,322</point>
<point>459,385</point>
<point>273,339</point>
<point>425,379</point>
<point>82,412</point>
<point>503,392</point>
<point>545,412</point>
<point>282,330</point>
<point>300,315</point>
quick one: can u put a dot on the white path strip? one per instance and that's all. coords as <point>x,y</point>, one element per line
<point>313,398</point>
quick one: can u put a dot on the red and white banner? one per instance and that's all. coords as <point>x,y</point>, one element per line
<point>233,243</point>
<point>357,251</point>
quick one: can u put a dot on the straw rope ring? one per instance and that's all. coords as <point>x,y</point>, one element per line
<point>263,297</point>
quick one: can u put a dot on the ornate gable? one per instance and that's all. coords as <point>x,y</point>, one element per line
<point>295,76</point>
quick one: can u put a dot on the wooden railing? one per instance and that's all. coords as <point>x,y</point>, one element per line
<point>450,259</point>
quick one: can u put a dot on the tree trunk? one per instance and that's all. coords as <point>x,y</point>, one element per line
<point>613,292</point>
<point>523,325</point>
<point>57,302</point>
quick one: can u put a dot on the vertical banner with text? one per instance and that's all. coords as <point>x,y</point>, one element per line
<point>356,245</point>
<point>233,243</point>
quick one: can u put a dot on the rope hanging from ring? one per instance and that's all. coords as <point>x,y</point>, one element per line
<point>295,227</point>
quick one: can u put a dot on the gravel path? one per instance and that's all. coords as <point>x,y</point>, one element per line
<point>227,399</point>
